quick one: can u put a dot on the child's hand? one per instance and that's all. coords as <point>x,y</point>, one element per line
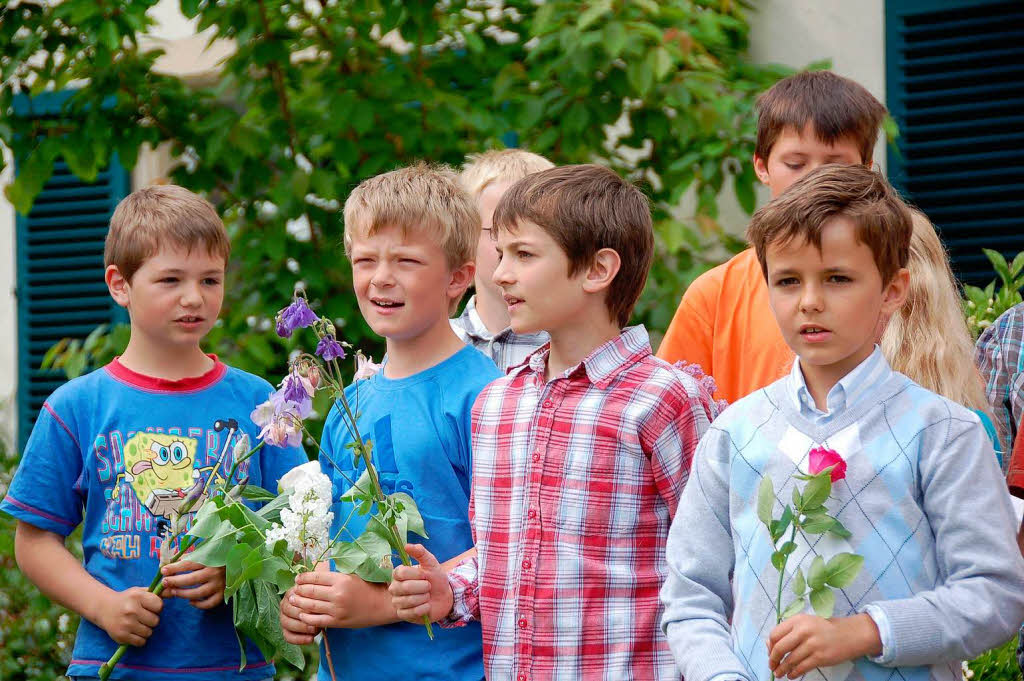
<point>804,642</point>
<point>130,615</point>
<point>295,630</point>
<point>422,589</point>
<point>323,599</point>
<point>201,586</point>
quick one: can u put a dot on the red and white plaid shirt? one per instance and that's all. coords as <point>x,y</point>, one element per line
<point>575,481</point>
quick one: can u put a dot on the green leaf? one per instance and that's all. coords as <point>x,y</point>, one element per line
<point>794,608</point>
<point>779,560</point>
<point>779,527</point>
<point>412,514</point>
<point>797,499</point>
<point>109,36</point>
<point>799,584</point>
<point>257,493</point>
<point>788,548</point>
<point>823,601</point>
<point>614,38</point>
<point>596,10</point>
<point>359,489</point>
<point>817,490</point>
<point>816,575</point>
<point>842,569</point>
<point>839,530</point>
<point>765,500</point>
<point>818,524</point>
<point>743,185</point>
<point>640,77</point>
<point>660,62</point>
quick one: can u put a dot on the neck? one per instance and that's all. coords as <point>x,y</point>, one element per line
<point>821,379</point>
<point>492,310</point>
<point>171,363</point>
<point>572,342</point>
<point>410,356</point>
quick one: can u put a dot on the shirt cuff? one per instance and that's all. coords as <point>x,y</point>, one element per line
<point>465,583</point>
<point>884,633</point>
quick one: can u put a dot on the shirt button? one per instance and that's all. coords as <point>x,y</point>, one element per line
<point>548,404</point>
<point>536,457</point>
<point>531,514</point>
<point>527,565</point>
<point>522,677</point>
<point>522,623</point>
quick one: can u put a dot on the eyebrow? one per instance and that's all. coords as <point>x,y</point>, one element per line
<point>178,270</point>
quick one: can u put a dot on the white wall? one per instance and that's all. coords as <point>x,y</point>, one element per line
<point>8,312</point>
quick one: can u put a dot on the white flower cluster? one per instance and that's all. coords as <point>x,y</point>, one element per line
<point>306,523</point>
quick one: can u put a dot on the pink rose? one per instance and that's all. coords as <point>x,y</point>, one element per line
<point>821,458</point>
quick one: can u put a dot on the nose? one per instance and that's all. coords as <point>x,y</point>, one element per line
<point>382,276</point>
<point>502,273</point>
<point>811,299</point>
<point>191,295</point>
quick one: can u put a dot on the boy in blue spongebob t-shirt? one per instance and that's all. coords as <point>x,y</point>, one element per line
<point>119,450</point>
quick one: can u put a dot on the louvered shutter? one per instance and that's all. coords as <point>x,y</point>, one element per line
<point>61,292</point>
<point>955,86</point>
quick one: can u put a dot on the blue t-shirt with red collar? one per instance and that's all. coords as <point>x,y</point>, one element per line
<point>117,452</point>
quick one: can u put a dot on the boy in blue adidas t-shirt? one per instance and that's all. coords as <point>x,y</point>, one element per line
<point>411,235</point>
<point>118,451</point>
<point>915,481</point>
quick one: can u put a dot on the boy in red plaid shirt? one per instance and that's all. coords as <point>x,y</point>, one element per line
<point>579,454</point>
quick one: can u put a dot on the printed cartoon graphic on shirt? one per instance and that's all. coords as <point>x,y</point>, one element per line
<point>154,471</point>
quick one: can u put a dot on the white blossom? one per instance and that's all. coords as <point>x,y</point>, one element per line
<point>306,523</point>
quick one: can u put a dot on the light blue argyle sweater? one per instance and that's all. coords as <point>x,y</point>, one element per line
<point>927,508</point>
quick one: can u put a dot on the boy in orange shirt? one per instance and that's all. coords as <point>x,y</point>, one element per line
<point>724,322</point>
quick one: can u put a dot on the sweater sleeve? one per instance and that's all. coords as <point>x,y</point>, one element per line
<point>697,594</point>
<point>979,600</point>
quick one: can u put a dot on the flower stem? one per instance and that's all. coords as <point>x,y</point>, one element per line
<point>327,654</point>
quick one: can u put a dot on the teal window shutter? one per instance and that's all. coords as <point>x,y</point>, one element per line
<point>955,86</point>
<point>60,287</point>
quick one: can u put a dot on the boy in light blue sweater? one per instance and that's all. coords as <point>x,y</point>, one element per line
<point>922,498</point>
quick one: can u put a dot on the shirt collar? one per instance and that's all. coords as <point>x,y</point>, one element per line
<point>847,392</point>
<point>471,322</point>
<point>606,360</point>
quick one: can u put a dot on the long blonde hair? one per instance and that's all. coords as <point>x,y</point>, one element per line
<point>928,339</point>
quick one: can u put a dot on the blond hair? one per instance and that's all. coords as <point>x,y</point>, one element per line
<point>499,166</point>
<point>422,197</point>
<point>158,216</point>
<point>927,339</point>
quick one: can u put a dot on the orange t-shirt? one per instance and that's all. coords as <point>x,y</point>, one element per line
<point>725,324</point>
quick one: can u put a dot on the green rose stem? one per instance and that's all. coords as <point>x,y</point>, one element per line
<point>157,586</point>
<point>782,574</point>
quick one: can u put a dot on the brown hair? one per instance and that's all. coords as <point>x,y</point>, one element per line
<point>499,165</point>
<point>157,216</point>
<point>586,208</point>
<point>836,107</point>
<point>419,196</point>
<point>855,192</point>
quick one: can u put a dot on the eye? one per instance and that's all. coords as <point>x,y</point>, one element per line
<point>839,279</point>
<point>409,261</point>
<point>163,455</point>
<point>178,452</point>
<point>211,281</point>
<point>787,281</point>
<point>524,254</point>
<point>169,280</point>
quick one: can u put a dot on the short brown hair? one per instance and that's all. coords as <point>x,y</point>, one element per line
<point>836,107</point>
<point>882,219</point>
<point>157,216</point>
<point>499,165</point>
<point>586,208</point>
<point>419,196</point>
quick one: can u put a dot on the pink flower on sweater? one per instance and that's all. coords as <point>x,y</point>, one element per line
<point>821,458</point>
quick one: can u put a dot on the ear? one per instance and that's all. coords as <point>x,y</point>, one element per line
<point>895,293</point>
<point>118,286</point>
<point>460,279</point>
<point>761,169</point>
<point>599,275</point>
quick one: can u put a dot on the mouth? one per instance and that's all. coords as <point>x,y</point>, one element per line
<point>386,303</point>
<point>189,320</point>
<point>511,301</point>
<point>814,333</point>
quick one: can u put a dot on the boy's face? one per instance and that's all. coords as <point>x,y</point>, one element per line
<point>533,274</point>
<point>796,153</point>
<point>174,298</point>
<point>402,282</point>
<point>828,303</point>
<point>486,253</point>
